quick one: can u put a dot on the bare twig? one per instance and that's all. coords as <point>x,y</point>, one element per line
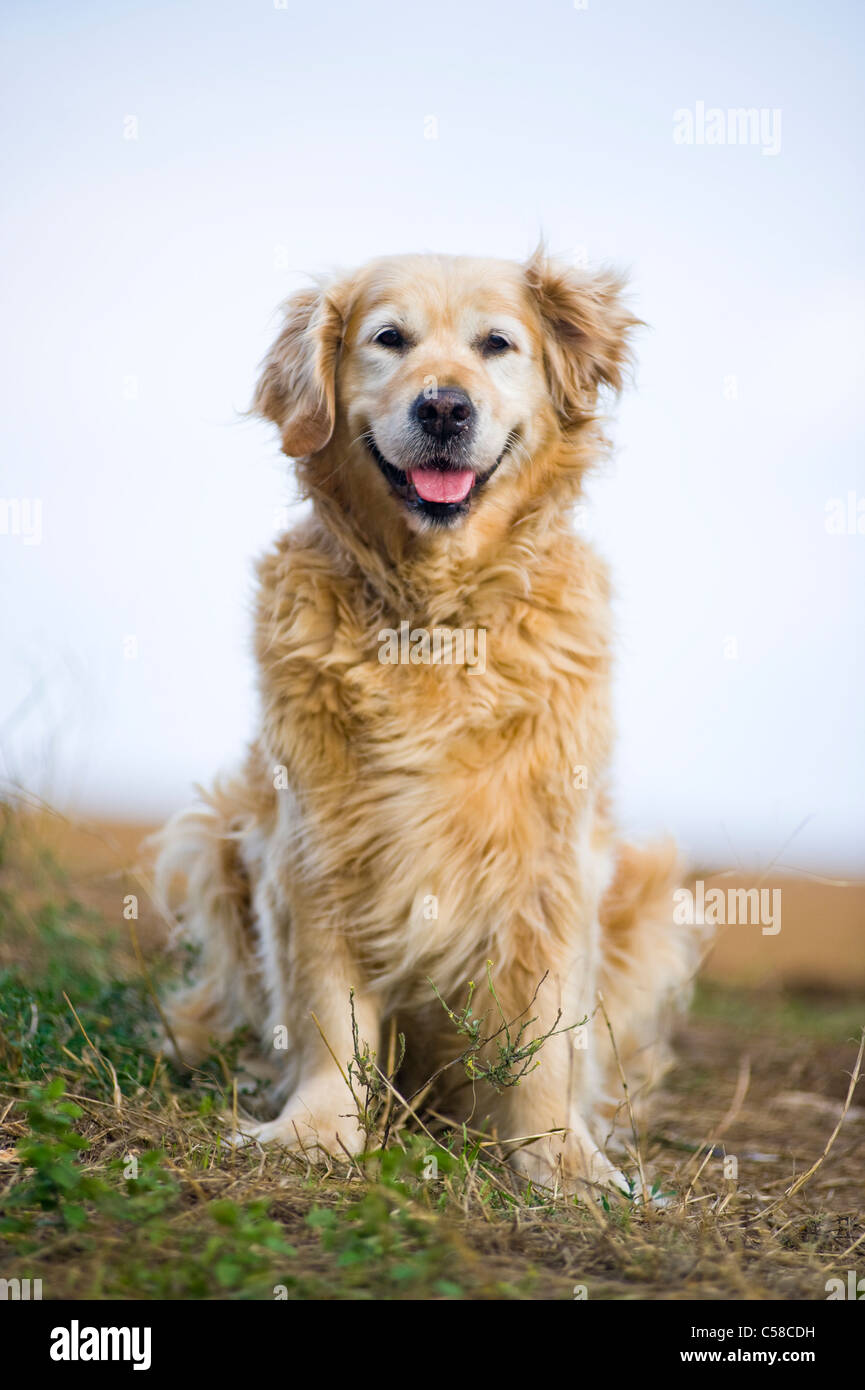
<point>624,1080</point>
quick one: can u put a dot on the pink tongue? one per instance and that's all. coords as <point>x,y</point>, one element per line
<point>434,486</point>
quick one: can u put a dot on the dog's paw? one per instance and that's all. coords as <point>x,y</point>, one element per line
<point>569,1165</point>
<point>323,1126</point>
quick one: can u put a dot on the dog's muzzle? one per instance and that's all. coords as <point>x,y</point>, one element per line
<point>440,490</point>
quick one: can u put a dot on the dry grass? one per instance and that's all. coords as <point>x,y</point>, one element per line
<point>134,1192</point>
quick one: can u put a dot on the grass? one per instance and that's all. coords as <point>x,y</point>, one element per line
<point>116,1180</point>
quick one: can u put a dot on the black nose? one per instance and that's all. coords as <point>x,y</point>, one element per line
<point>444,414</point>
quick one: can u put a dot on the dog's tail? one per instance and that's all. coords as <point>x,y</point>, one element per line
<point>647,971</point>
<point>203,888</point>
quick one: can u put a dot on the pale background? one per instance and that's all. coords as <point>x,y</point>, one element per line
<point>139,282</point>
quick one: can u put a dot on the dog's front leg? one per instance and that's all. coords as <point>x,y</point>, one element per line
<point>311,1014</point>
<point>546,1119</point>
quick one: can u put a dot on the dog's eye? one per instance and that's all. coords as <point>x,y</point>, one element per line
<point>390,338</point>
<point>494,344</point>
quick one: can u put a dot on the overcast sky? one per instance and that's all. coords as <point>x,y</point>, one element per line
<point>170,172</point>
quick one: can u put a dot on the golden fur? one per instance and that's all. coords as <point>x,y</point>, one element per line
<point>396,823</point>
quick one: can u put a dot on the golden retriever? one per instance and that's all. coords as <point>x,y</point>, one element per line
<point>426,793</point>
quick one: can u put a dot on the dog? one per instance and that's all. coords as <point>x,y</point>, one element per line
<point>408,820</point>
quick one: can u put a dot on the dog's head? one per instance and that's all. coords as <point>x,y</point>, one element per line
<point>427,384</point>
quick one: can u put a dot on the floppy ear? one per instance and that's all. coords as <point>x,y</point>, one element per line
<point>586,329</point>
<point>296,388</point>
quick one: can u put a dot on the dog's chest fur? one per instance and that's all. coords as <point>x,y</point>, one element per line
<point>418,782</point>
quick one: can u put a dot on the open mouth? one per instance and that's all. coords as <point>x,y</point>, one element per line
<point>439,491</point>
